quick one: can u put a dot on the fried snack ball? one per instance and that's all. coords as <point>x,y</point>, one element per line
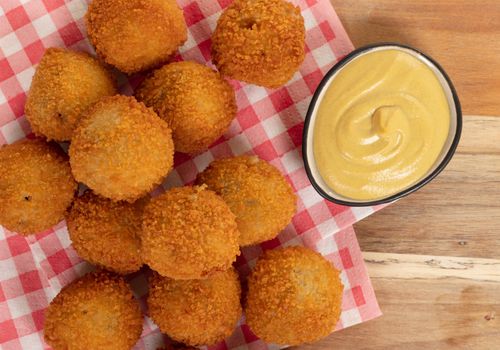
<point>135,35</point>
<point>97,311</point>
<point>294,296</point>
<point>188,233</point>
<point>260,197</point>
<point>107,233</point>
<point>195,101</point>
<point>121,149</point>
<point>259,41</point>
<point>196,312</point>
<point>36,186</point>
<point>65,84</point>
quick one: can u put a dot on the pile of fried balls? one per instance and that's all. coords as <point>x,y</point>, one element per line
<point>122,147</point>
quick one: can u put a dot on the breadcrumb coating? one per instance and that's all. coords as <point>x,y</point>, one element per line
<point>294,296</point>
<point>97,311</point>
<point>260,197</point>
<point>196,312</point>
<point>121,149</point>
<point>259,41</point>
<point>189,233</point>
<point>65,84</point>
<point>36,186</point>
<point>107,233</point>
<point>195,101</point>
<point>135,35</point>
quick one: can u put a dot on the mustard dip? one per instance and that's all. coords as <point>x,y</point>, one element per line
<point>381,125</point>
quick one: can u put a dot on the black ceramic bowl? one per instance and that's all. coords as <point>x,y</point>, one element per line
<point>446,154</point>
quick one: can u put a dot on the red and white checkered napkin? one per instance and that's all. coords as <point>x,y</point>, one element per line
<point>269,124</point>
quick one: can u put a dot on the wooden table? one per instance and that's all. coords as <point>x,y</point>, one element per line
<point>434,257</point>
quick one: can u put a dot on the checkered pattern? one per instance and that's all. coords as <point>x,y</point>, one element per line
<point>269,124</point>
<point>358,304</point>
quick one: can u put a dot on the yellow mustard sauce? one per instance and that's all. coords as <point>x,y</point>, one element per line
<point>380,126</point>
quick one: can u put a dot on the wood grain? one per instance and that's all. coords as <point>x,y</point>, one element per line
<point>428,303</point>
<point>433,300</point>
<point>417,267</point>
<point>462,35</point>
<point>457,214</point>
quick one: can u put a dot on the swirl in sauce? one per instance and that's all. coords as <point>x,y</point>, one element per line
<point>381,125</point>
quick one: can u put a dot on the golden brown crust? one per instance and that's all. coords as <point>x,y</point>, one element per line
<point>121,149</point>
<point>188,233</point>
<point>65,84</point>
<point>260,197</point>
<point>106,233</point>
<point>135,35</point>
<point>294,296</point>
<point>97,311</point>
<point>196,312</point>
<point>259,41</point>
<point>195,101</point>
<point>36,186</point>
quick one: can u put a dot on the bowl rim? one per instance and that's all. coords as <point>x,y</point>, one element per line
<point>346,59</point>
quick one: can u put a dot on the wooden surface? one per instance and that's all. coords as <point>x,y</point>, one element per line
<point>463,35</point>
<point>429,302</point>
<point>434,257</point>
<point>457,214</point>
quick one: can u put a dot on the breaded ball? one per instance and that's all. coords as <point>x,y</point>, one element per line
<point>196,312</point>
<point>260,197</point>
<point>135,35</point>
<point>121,149</point>
<point>65,84</point>
<point>36,186</point>
<point>107,233</point>
<point>259,41</point>
<point>189,233</point>
<point>97,311</point>
<point>195,101</point>
<point>294,296</point>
